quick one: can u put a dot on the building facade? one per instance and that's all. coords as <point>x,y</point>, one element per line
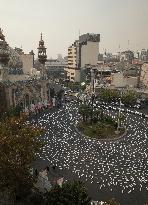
<point>81,53</point>
<point>89,49</point>
<point>15,87</point>
<point>119,80</point>
<point>28,61</point>
<point>144,76</point>
<point>55,68</point>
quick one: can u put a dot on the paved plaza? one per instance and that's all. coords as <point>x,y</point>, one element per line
<point>109,169</point>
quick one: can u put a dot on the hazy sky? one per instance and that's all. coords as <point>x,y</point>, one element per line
<point>60,21</point>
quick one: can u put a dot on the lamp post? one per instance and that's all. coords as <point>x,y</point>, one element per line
<point>119,113</point>
<point>92,105</point>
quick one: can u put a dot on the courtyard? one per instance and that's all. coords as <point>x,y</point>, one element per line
<point>109,169</point>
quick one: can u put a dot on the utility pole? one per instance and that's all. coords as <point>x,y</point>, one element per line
<point>119,113</point>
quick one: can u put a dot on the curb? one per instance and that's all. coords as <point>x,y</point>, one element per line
<point>102,140</point>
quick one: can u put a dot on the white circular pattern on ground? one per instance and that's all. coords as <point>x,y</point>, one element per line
<point>122,164</point>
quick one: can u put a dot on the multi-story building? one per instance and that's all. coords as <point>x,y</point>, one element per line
<point>55,68</point>
<point>27,60</point>
<point>81,53</point>
<point>144,76</point>
<point>127,56</point>
<point>144,55</point>
<point>72,70</point>
<point>89,49</point>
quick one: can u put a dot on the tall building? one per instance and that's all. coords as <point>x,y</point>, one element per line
<point>88,49</point>
<point>81,53</point>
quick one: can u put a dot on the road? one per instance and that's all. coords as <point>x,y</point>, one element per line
<point>109,169</point>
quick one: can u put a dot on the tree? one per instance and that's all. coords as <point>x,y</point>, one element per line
<point>36,198</point>
<point>52,92</point>
<point>85,110</point>
<point>96,115</point>
<point>18,145</point>
<point>129,98</point>
<point>59,97</point>
<point>60,94</point>
<point>112,201</point>
<point>108,95</point>
<point>73,193</point>
<point>75,86</point>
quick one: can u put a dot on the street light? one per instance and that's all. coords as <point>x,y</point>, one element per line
<point>92,104</point>
<point>119,113</point>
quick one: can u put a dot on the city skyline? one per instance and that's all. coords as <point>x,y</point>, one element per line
<point>121,24</point>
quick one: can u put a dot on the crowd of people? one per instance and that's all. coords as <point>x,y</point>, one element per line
<point>37,108</point>
<point>116,168</point>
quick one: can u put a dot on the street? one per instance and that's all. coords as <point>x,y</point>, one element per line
<point>109,169</point>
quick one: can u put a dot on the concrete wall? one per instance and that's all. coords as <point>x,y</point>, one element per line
<point>118,80</point>
<point>27,60</point>
<point>144,75</point>
<point>89,53</point>
<point>15,78</point>
<point>131,81</point>
<point>77,75</point>
<point>73,74</point>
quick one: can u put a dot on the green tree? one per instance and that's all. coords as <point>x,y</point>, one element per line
<point>112,201</point>
<point>60,94</point>
<point>129,98</point>
<point>52,92</point>
<point>18,145</point>
<point>108,95</point>
<point>75,86</point>
<point>85,110</point>
<point>36,198</point>
<point>96,115</point>
<point>73,193</point>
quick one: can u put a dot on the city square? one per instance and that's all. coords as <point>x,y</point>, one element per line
<point>74,102</point>
<point>109,169</point>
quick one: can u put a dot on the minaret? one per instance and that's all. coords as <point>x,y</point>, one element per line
<point>4,57</point>
<point>42,57</point>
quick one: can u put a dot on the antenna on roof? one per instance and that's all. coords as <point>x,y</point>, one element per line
<point>119,48</point>
<point>128,44</point>
<point>79,32</point>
